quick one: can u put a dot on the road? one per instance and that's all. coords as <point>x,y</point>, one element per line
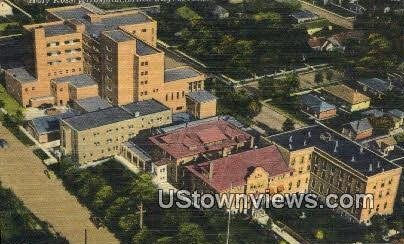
<point>23,172</point>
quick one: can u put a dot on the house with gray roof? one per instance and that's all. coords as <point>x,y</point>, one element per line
<point>358,129</point>
<point>375,87</point>
<point>316,107</point>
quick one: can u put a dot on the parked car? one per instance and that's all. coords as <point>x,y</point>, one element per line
<point>45,106</point>
<point>3,143</point>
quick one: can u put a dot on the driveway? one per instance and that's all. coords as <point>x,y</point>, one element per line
<point>23,172</point>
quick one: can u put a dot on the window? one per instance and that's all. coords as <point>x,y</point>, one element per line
<point>146,63</point>
<point>144,30</point>
<point>141,63</point>
<point>178,95</point>
<point>61,89</point>
<point>179,108</point>
<point>166,97</point>
<point>183,93</point>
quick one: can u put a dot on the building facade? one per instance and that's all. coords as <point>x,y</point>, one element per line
<point>338,165</point>
<point>116,50</point>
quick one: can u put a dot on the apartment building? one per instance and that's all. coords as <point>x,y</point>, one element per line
<point>115,50</point>
<point>99,134</point>
<point>262,170</point>
<point>339,165</point>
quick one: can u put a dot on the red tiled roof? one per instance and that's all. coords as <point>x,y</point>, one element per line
<point>193,140</point>
<point>234,169</point>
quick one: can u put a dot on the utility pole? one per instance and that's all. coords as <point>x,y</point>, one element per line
<point>141,212</point>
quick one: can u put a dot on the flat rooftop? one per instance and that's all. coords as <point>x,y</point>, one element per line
<point>56,30</point>
<point>21,74</point>
<point>145,107</point>
<point>336,146</point>
<point>180,73</point>
<point>143,49</point>
<point>200,138</point>
<point>223,173</point>
<point>74,13</point>
<point>98,118</point>
<point>92,104</point>
<point>48,124</point>
<point>118,35</point>
<point>201,96</point>
<point>81,80</point>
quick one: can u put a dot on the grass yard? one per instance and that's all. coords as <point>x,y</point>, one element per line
<point>187,13</point>
<point>3,26</point>
<point>11,105</point>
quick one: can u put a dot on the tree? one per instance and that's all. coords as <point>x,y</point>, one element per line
<point>191,233</point>
<point>128,223</point>
<point>318,77</point>
<point>329,74</point>
<point>254,107</point>
<point>143,236</point>
<point>103,196</point>
<point>319,234</point>
<point>288,125</point>
<point>19,117</point>
<point>143,188</point>
<point>2,103</point>
<point>166,240</point>
<point>381,124</point>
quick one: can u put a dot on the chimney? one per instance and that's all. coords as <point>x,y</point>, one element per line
<point>378,164</point>
<point>290,146</point>
<point>361,150</point>
<point>305,142</point>
<point>353,158</point>
<point>336,146</point>
<point>309,134</point>
<point>370,167</point>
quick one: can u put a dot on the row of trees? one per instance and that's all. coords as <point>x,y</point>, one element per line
<point>114,195</point>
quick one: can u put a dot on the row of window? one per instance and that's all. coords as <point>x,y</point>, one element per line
<point>178,95</point>
<point>67,42</point>
<point>68,51</point>
<point>66,71</point>
<point>69,60</point>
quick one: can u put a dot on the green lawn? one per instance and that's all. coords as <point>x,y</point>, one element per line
<point>187,13</point>
<point>4,25</point>
<point>315,24</point>
<point>11,105</point>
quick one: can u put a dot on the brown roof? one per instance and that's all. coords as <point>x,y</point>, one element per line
<point>196,139</point>
<point>343,36</point>
<point>233,170</point>
<point>347,94</point>
<point>316,41</point>
<point>388,141</point>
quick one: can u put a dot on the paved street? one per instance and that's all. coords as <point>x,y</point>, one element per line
<point>23,172</point>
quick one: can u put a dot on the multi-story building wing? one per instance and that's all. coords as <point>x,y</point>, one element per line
<point>117,49</point>
<point>99,134</point>
<point>339,165</point>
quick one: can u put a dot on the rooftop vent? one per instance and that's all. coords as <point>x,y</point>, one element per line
<point>290,138</point>
<point>309,134</point>
<point>378,164</point>
<point>353,159</point>
<point>361,150</point>
<point>290,146</point>
<point>305,142</point>
<point>137,114</point>
<point>370,167</point>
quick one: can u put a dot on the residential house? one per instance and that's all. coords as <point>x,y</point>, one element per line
<point>383,145</point>
<point>318,108</point>
<point>375,87</point>
<point>303,16</point>
<point>398,117</point>
<point>5,9</point>
<point>220,12</point>
<point>317,43</point>
<point>358,129</point>
<point>337,42</point>
<point>351,99</point>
